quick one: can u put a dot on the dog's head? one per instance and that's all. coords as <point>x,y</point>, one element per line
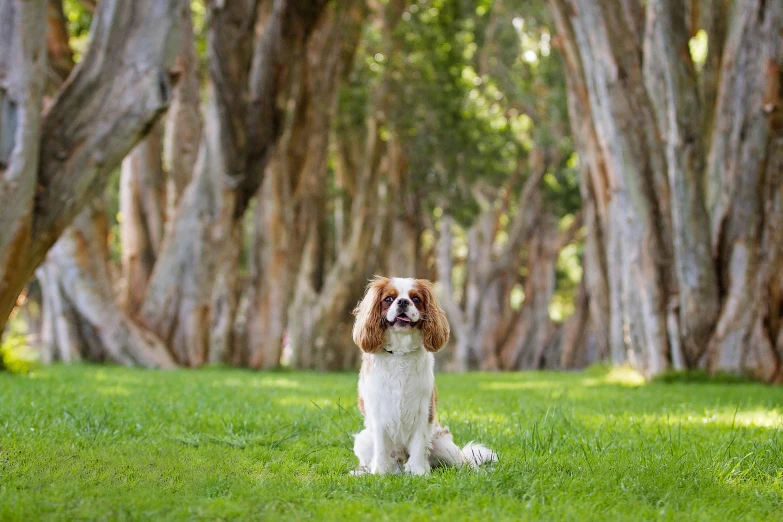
<point>399,304</point>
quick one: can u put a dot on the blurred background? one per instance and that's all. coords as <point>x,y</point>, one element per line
<point>585,181</point>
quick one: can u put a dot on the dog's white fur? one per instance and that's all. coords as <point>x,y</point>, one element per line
<point>397,382</point>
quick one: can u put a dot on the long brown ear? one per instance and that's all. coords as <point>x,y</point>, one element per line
<point>368,328</point>
<point>434,326</point>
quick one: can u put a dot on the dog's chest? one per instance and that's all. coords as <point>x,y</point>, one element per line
<point>397,392</point>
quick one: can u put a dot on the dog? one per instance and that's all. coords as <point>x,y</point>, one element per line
<point>399,325</point>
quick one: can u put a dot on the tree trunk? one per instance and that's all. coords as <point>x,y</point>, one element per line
<point>481,321</point>
<point>601,256</point>
<point>290,214</point>
<point>88,324</point>
<point>86,314</point>
<point>22,68</point>
<point>525,346</point>
<point>97,117</point>
<point>744,175</point>
<point>319,324</point>
<point>271,277</point>
<point>670,79</point>
<point>721,309</point>
<point>319,328</point>
<point>576,344</point>
<point>225,299</point>
<point>143,210</point>
<point>248,79</point>
<point>60,339</point>
<point>179,293</point>
<point>183,119</point>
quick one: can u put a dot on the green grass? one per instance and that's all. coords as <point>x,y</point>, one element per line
<point>107,443</point>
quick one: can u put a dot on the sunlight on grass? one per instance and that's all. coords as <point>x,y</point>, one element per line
<point>622,375</point>
<point>518,385</point>
<point>266,382</point>
<point>753,418</point>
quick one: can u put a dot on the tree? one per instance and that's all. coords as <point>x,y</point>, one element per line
<point>290,214</point>
<point>249,76</point>
<point>683,169</point>
<point>83,319</point>
<point>55,161</point>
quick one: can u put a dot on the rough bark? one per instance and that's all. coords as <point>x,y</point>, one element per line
<point>319,315</point>
<point>97,117</point>
<point>480,321</point>
<point>290,214</point>
<point>183,120</point>
<point>22,68</point>
<point>86,314</point>
<point>722,309</point>
<point>744,190</point>
<point>248,80</point>
<point>671,81</point>
<point>143,211</point>
<point>599,259</point>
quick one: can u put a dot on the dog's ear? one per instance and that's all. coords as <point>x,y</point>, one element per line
<point>434,325</point>
<point>369,326</point>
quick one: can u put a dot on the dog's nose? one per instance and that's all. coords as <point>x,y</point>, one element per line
<point>403,303</point>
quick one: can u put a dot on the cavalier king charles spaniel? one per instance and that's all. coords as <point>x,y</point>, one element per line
<point>399,325</point>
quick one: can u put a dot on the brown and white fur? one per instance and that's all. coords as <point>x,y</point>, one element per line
<point>399,325</point>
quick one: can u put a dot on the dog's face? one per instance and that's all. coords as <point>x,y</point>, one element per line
<point>402,303</point>
<point>399,304</point>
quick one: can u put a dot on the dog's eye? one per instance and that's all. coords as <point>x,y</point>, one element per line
<point>389,299</point>
<point>416,300</point>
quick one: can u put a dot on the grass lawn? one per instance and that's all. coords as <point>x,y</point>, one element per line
<point>108,443</point>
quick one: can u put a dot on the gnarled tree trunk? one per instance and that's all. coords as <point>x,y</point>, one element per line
<point>242,124</point>
<point>744,189</point>
<point>88,319</point>
<point>290,214</point>
<point>483,317</point>
<point>82,318</point>
<point>711,298</point>
<point>51,167</point>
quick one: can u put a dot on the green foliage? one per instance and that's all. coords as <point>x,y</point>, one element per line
<point>16,355</point>
<point>698,46</point>
<point>568,273</point>
<point>456,128</point>
<point>79,20</point>
<point>700,376</point>
<point>199,13</point>
<point>459,124</point>
<point>88,443</point>
<point>114,216</point>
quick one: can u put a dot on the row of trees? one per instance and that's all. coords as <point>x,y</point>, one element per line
<point>612,200</point>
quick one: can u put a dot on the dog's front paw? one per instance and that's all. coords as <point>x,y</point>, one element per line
<point>381,467</point>
<point>417,468</point>
<point>358,472</point>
